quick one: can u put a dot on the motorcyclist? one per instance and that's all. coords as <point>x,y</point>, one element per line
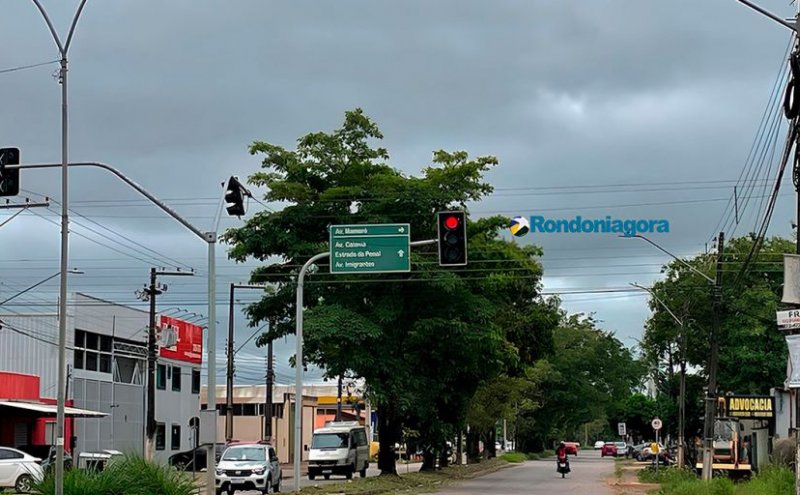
<point>561,456</point>
<point>561,452</point>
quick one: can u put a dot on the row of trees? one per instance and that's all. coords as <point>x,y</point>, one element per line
<point>439,349</point>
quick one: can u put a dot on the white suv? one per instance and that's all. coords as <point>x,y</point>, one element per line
<point>19,470</point>
<point>248,466</point>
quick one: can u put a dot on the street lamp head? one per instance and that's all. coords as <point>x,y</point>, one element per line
<point>75,271</point>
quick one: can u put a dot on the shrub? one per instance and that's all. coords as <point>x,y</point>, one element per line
<point>131,475</point>
<point>665,475</point>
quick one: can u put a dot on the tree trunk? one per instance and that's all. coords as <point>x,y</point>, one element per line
<point>473,451</point>
<point>491,440</point>
<point>458,447</point>
<point>428,460</point>
<point>388,435</point>
<point>444,456</point>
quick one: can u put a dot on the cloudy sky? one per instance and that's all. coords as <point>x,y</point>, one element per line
<point>633,109</point>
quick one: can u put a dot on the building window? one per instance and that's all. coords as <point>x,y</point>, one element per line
<point>92,351</point>
<point>195,381</point>
<point>105,363</point>
<point>128,370</point>
<point>176,437</point>
<point>176,379</point>
<point>91,361</point>
<point>78,359</point>
<point>161,377</point>
<point>161,434</point>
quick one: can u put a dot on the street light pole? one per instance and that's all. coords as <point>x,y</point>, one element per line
<point>62,303</point>
<point>708,424</point>
<point>682,403</point>
<point>208,237</point>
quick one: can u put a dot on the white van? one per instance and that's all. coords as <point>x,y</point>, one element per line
<point>339,448</point>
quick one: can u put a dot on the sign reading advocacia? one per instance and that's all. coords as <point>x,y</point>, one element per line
<point>761,407</point>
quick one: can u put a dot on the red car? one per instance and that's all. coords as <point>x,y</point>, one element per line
<point>572,448</point>
<point>608,449</point>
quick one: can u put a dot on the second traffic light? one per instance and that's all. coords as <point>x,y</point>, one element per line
<point>9,179</point>
<point>235,193</point>
<point>452,227</point>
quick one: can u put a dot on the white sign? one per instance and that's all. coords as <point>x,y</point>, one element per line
<point>621,429</point>
<point>788,319</point>
<point>791,279</point>
<point>656,424</point>
<point>793,342</point>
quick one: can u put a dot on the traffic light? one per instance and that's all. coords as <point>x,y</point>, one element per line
<point>9,179</point>
<point>452,238</point>
<point>234,197</point>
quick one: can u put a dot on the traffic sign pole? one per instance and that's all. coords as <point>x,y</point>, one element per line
<point>298,393</point>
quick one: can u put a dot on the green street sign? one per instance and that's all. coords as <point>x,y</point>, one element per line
<point>375,248</point>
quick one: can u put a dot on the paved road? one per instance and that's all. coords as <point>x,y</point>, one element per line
<point>288,483</point>
<point>589,472</point>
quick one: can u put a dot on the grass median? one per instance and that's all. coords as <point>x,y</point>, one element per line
<point>422,482</point>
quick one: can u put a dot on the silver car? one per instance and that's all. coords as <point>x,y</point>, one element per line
<point>248,466</point>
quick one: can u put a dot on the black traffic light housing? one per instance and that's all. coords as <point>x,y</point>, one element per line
<point>235,193</point>
<point>452,228</point>
<point>9,179</point>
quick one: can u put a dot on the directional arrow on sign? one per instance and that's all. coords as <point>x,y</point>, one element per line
<point>401,253</point>
<point>401,229</point>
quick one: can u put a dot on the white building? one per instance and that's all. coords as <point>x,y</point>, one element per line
<point>106,356</point>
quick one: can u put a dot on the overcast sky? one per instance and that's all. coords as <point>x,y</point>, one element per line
<point>633,109</point>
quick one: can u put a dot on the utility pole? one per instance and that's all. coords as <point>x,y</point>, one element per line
<point>230,353</point>
<point>339,400</point>
<point>268,401</point>
<point>711,394</point>
<point>149,293</point>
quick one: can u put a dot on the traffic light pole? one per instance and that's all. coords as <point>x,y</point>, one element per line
<point>209,238</point>
<point>298,364</point>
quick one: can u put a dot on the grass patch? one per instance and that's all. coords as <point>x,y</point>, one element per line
<point>665,475</point>
<point>514,457</point>
<point>131,475</point>
<point>769,481</point>
<point>674,481</point>
<point>423,482</point>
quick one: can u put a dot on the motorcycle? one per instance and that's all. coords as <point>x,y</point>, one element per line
<point>563,467</point>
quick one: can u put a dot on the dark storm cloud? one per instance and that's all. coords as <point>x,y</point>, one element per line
<point>563,92</point>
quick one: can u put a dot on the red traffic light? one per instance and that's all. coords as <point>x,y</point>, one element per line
<point>451,222</point>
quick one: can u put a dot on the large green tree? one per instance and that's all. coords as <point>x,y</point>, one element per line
<point>423,341</point>
<point>752,356</point>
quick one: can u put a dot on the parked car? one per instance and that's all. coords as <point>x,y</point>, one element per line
<point>248,467</point>
<point>609,449</point>
<point>194,459</point>
<point>572,447</point>
<point>19,470</point>
<point>622,448</point>
<point>48,455</point>
<point>339,448</point>
<point>599,445</point>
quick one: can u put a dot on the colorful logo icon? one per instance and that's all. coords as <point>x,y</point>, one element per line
<point>519,226</point>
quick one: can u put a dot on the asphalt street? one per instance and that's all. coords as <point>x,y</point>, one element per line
<point>588,477</point>
<point>288,483</point>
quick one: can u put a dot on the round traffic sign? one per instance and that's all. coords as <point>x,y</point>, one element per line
<point>656,424</point>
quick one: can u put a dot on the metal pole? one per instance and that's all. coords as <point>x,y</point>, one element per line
<point>229,374</point>
<point>298,389</point>
<point>211,238</point>
<point>298,413</point>
<point>708,429</point>
<point>149,450</point>
<point>62,303</point>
